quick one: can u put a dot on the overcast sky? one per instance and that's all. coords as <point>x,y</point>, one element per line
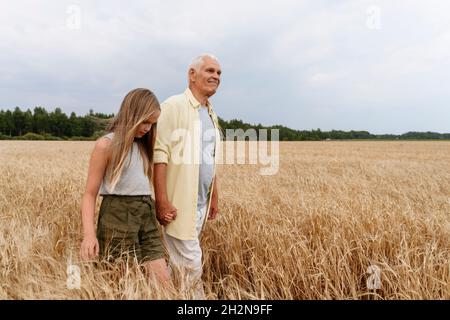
<point>381,66</point>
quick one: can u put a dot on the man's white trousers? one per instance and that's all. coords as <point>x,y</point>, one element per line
<point>185,256</point>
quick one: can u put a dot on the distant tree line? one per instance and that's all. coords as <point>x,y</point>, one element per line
<point>288,134</point>
<point>40,124</point>
<point>56,125</point>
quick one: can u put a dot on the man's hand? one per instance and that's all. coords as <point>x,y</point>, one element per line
<point>214,207</point>
<point>165,212</point>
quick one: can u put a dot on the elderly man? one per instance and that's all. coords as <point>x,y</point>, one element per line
<point>185,183</point>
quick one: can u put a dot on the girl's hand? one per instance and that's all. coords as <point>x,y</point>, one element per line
<point>89,248</point>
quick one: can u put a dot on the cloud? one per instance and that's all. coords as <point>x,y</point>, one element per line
<point>305,64</point>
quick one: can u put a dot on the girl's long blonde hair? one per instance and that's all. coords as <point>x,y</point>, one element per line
<point>137,106</point>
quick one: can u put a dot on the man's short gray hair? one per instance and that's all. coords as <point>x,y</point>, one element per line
<point>198,61</point>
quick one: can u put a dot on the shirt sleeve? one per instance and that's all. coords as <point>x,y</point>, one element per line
<point>163,134</point>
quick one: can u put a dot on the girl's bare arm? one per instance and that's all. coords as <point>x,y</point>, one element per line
<point>97,169</point>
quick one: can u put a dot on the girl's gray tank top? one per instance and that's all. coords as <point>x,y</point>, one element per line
<point>133,181</point>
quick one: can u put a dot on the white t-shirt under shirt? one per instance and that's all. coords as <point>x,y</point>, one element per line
<point>206,167</point>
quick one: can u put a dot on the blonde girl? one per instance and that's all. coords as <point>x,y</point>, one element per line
<point>120,169</point>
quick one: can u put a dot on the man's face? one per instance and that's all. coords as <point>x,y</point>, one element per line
<point>207,78</point>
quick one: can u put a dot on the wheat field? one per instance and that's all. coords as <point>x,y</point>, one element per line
<point>340,220</point>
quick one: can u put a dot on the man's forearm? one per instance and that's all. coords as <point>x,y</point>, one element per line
<point>160,182</point>
<point>215,190</point>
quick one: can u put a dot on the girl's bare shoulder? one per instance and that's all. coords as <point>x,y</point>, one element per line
<point>102,144</point>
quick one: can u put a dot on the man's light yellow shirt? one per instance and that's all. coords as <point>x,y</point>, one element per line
<point>178,145</point>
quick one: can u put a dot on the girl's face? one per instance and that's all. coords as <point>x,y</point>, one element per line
<point>146,125</point>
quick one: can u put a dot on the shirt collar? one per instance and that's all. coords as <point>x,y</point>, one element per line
<point>194,102</point>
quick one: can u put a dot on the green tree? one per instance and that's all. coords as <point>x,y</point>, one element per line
<point>18,121</point>
<point>58,122</point>
<point>41,121</point>
<point>87,126</point>
<point>9,123</point>
<point>28,121</point>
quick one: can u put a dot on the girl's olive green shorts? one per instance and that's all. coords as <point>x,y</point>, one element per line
<point>128,225</point>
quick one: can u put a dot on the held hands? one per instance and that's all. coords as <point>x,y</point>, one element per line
<point>89,247</point>
<point>165,212</point>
